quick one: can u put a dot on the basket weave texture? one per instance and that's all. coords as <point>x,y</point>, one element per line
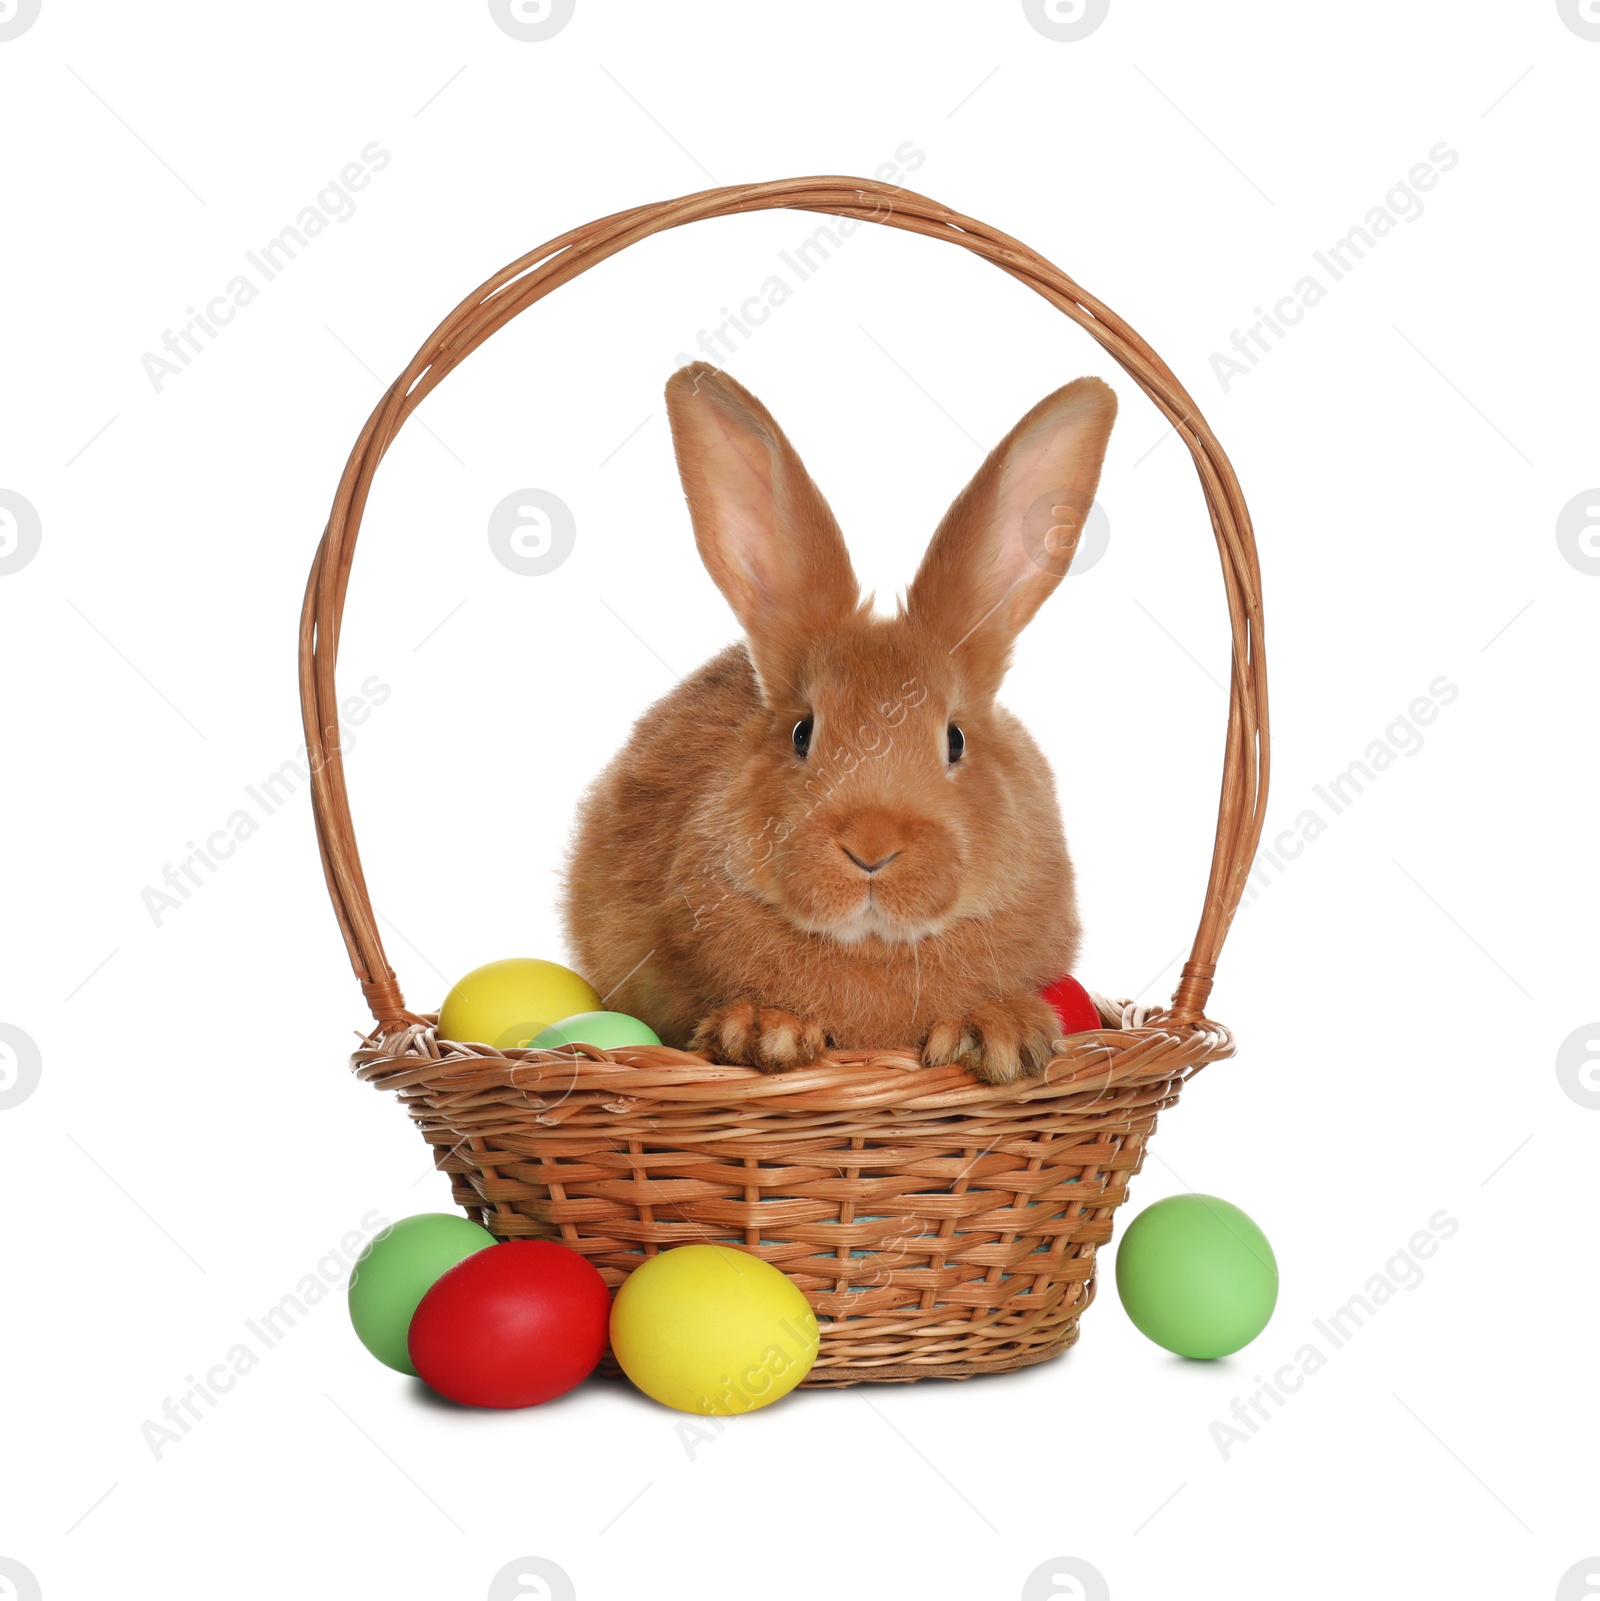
<point>938,1226</point>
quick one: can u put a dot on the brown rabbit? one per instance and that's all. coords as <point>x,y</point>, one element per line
<point>831,834</point>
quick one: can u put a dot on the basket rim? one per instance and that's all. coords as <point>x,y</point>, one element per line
<point>412,1061</point>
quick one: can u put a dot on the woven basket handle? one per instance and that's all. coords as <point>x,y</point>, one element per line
<point>518,286</point>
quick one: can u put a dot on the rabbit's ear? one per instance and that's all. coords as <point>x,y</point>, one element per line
<point>765,533</point>
<point>1010,535</point>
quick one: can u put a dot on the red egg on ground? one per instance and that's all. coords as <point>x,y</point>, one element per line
<point>512,1325</point>
<point>1069,1000</point>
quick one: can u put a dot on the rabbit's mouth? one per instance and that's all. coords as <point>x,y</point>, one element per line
<point>864,875</point>
<point>872,920</point>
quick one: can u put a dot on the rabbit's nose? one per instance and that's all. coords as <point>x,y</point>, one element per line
<point>869,868</point>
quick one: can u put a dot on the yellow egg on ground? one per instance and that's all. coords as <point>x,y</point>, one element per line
<point>708,1329</point>
<point>504,1004</point>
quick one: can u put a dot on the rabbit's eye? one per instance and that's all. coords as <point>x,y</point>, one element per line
<point>802,735</point>
<point>958,742</point>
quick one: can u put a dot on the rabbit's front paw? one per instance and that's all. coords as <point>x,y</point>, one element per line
<point>759,1036</point>
<point>999,1041</point>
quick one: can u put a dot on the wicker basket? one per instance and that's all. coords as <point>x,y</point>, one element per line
<point>939,1226</point>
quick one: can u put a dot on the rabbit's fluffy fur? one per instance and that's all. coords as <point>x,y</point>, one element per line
<point>760,896</point>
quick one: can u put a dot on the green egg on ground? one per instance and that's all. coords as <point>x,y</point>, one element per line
<point>397,1268</point>
<point>606,1031</point>
<point>1197,1276</point>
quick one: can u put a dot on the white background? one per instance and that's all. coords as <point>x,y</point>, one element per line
<point>1400,989</point>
